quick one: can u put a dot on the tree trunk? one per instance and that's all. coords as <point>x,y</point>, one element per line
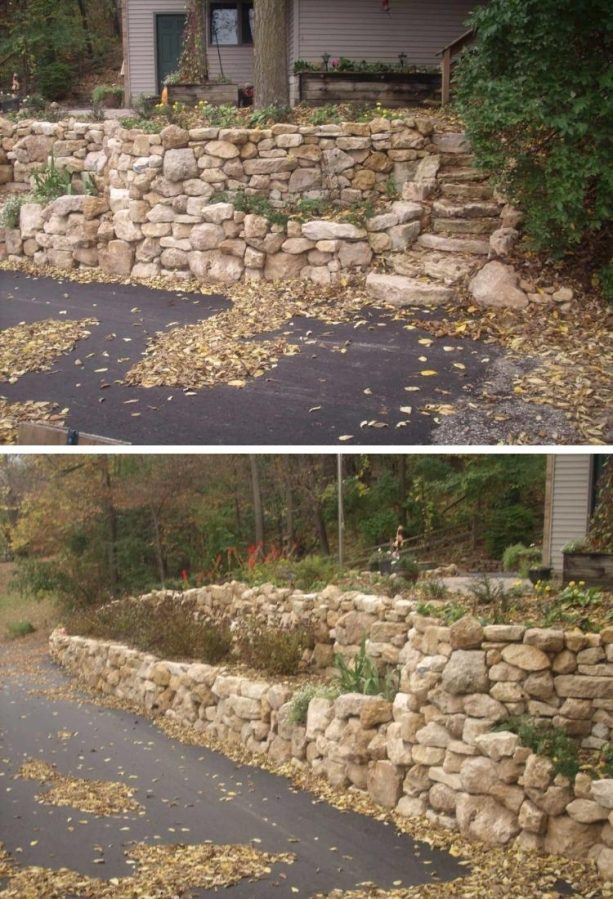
<point>271,82</point>
<point>111,515</point>
<point>159,555</point>
<point>85,24</point>
<point>258,510</point>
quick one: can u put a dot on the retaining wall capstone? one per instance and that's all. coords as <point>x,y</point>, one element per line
<point>429,752</point>
<point>158,214</point>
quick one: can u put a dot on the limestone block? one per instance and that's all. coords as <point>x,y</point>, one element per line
<point>497,285</point>
<point>384,783</point>
<point>485,819</point>
<point>528,658</point>
<point>180,165</point>
<point>465,672</point>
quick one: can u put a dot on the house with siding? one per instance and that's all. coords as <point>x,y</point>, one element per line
<point>570,497</point>
<point>370,30</point>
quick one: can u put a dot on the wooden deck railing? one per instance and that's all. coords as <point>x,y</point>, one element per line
<point>448,53</point>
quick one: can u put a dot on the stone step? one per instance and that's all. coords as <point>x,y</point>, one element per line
<point>445,268</point>
<point>399,290</point>
<point>462,174</point>
<point>468,192</point>
<point>456,160</point>
<point>465,226</point>
<point>472,209</point>
<point>454,245</point>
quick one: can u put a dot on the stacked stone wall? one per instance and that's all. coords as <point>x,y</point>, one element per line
<point>158,214</point>
<point>432,750</point>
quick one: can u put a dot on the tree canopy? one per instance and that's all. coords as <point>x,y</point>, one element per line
<point>94,526</point>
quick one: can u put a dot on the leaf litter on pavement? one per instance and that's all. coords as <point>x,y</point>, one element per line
<point>572,347</point>
<point>161,872</point>
<point>35,346</point>
<point>99,797</point>
<point>221,349</point>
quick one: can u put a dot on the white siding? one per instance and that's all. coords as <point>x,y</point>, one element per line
<point>570,497</point>
<point>360,29</point>
<point>141,43</point>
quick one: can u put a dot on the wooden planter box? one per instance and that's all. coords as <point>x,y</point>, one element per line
<point>397,89</point>
<point>596,569</point>
<point>213,92</point>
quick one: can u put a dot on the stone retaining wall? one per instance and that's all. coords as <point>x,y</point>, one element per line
<point>432,750</point>
<point>157,212</point>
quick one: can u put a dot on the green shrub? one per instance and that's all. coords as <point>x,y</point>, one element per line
<point>325,115</point>
<point>313,572</point>
<point>104,94</point>
<point>361,675</point>
<point>55,80</point>
<point>269,115</point>
<point>274,650</point>
<point>521,558</point>
<point>433,589</point>
<point>300,701</point>
<point>149,126</point>
<point>9,218</point>
<point>486,591</point>
<point>17,629</point>
<point>256,204</point>
<point>51,183</point>
<point>544,739</point>
<point>532,92</point>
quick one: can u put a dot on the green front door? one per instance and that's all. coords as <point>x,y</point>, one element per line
<point>169,41</point>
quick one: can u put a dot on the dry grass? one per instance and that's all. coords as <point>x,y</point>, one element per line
<point>41,613</point>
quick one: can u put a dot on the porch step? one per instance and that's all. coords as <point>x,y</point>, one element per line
<point>464,226</point>
<point>400,290</point>
<point>467,192</point>
<point>473,209</point>
<point>454,244</point>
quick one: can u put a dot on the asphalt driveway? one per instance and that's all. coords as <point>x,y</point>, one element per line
<point>342,377</point>
<point>189,795</point>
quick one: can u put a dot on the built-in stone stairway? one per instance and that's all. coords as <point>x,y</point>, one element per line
<point>460,215</point>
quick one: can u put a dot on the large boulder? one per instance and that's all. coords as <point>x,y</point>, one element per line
<point>497,285</point>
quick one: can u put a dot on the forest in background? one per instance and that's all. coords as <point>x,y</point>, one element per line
<point>56,45</point>
<point>90,527</point>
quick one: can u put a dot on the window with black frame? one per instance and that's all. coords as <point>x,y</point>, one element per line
<point>231,24</point>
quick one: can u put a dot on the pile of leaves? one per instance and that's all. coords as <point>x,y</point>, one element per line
<point>161,871</point>
<point>221,350</point>
<point>95,796</point>
<point>35,346</point>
